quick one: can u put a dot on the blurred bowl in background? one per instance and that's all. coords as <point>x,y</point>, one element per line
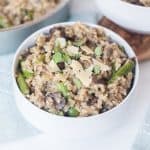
<point>10,38</point>
<point>132,17</point>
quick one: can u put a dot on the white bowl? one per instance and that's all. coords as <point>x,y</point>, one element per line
<point>129,16</point>
<point>60,126</point>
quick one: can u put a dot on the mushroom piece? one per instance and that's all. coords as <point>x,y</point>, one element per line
<point>58,101</point>
<point>105,107</point>
<point>61,65</point>
<point>92,99</point>
<point>99,80</point>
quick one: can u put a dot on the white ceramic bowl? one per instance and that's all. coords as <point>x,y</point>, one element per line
<point>131,17</point>
<point>59,126</point>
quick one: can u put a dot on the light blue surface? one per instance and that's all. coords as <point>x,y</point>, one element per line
<point>12,125</point>
<point>142,141</point>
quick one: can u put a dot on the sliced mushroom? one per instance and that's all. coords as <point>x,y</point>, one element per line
<point>92,99</point>
<point>61,65</point>
<point>104,108</point>
<point>58,100</point>
<point>98,80</point>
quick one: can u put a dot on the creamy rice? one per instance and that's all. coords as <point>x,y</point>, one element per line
<point>16,12</point>
<point>75,71</point>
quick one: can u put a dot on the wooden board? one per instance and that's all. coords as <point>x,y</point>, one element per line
<point>140,43</point>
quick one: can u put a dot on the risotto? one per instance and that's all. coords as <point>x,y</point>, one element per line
<point>75,70</point>
<point>16,12</point>
<point>145,3</point>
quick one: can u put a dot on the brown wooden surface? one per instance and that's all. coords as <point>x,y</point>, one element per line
<point>140,43</point>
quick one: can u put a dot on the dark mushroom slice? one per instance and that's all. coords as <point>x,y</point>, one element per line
<point>61,65</point>
<point>104,108</point>
<point>92,99</point>
<point>98,80</point>
<point>58,100</point>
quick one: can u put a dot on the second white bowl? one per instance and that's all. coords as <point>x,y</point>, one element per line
<point>129,16</point>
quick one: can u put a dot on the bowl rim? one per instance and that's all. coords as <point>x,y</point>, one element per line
<point>50,13</point>
<point>42,30</point>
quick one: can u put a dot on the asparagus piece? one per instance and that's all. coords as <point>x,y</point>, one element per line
<point>22,84</point>
<point>123,70</point>
<point>73,112</point>
<point>63,89</point>
<point>26,73</point>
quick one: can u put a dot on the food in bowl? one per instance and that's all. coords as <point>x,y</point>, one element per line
<point>75,71</point>
<point>145,3</point>
<point>16,12</point>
